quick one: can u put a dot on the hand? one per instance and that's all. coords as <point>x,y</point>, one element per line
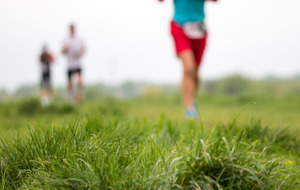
<point>52,59</point>
<point>65,50</point>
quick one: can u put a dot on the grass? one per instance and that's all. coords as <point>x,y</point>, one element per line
<point>101,153</point>
<point>130,144</point>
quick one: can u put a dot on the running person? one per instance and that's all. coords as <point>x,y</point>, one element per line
<point>46,88</point>
<point>74,49</point>
<point>190,35</point>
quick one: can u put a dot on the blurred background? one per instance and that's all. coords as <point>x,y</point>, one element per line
<point>252,57</point>
<point>132,114</point>
<point>130,40</point>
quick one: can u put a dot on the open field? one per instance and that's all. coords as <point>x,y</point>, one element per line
<point>242,141</point>
<point>145,143</point>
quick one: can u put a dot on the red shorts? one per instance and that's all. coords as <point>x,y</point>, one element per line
<point>182,42</point>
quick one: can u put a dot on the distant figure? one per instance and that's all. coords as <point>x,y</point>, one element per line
<point>74,49</point>
<point>189,33</point>
<point>46,60</point>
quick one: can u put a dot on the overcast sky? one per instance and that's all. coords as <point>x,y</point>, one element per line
<point>130,40</point>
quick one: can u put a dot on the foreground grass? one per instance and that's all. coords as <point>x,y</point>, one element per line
<point>128,144</point>
<point>122,153</point>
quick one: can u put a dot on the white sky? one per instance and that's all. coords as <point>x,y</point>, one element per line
<point>129,39</point>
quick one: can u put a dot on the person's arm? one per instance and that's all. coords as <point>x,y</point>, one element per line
<point>41,59</point>
<point>83,50</point>
<point>51,58</point>
<point>83,47</point>
<point>65,48</point>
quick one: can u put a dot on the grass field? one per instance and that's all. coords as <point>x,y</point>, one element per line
<point>241,142</point>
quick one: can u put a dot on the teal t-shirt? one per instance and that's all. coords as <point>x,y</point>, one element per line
<point>189,11</point>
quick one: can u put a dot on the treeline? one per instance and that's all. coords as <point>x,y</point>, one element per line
<point>229,86</point>
<point>238,85</point>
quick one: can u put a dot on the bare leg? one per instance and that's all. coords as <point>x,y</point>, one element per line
<point>79,81</point>
<point>190,78</point>
<point>79,97</point>
<point>44,97</point>
<point>197,79</point>
<point>70,89</point>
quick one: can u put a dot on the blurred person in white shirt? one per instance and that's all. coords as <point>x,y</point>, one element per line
<point>74,49</point>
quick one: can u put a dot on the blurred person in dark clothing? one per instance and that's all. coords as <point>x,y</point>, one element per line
<point>46,59</point>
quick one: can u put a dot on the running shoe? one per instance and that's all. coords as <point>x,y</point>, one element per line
<point>191,114</point>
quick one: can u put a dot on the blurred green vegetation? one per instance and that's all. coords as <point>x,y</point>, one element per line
<point>234,85</point>
<point>134,136</point>
<point>275,101</point>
